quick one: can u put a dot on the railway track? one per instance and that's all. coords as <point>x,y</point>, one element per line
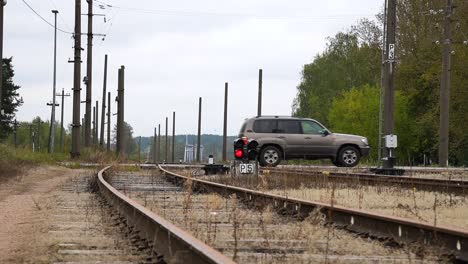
<point>157,231</point>
<point>420,183</point>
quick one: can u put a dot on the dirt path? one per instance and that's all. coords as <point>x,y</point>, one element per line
<point>23,213</point>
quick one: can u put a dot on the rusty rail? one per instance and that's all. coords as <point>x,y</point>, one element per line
<point>453,240</point>
<point>440,185</point>
<point>169,242</point>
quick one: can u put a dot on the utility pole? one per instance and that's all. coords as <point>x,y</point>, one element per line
<point>159,143</point>
<point>96,124</point>
<point>104,87</point>
<point>445,87</point>
<point>389,80</point>
<point>108,120</point>
<point>382,84</point>
<point>120,112</point>
<point>155,146</point>
<point>82,128</point>
<point>166,146</point>
<point>173,137</point>
<point>61,117</point>
<point>199,128</point>
<point>225,122</point>
<point>260,84</point>
<point>89,74</point>
<point>2,5</point>
<point>52,116</point>
<point>75,151</point>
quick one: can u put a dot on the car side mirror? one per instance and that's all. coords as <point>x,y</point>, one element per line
<point>325,132</point>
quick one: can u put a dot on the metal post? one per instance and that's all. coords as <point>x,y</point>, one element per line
<point>260,84</point>
<point>104,87</point>
<point>75,151</point>
<point>225,122</point>
<point>61,118</point>
<point>155,146</point>
<point>445,87</point>
<point>82,128</point>
<point>173,137</point>
<point>89,74</point>
<point>382,83</point>
<point>96,125</point>
<point>2,4</point>
<point>389,79</point>
<point>108,120</point>
<point>166,147</point>
<point>120,113</point>
<point>199,128</point>
<point>159,143</point>
<point>52,115</point>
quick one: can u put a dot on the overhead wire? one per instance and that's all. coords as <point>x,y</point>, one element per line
<point>45,20</point>
<point>60,16</point>
<point>198,13</point>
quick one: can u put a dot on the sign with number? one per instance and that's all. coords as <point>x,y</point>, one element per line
<point>247,168</point>
<point>391,51</point>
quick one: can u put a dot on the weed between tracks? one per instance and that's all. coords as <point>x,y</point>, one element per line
<point>426,206</point>
<point>260,235</point>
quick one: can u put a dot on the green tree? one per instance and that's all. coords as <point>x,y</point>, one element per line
<point>130,145</point>
<point>357,112</point>
<point>10,99</point>
<point>351,59</point>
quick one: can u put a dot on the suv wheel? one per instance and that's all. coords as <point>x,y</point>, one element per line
<point>270,156</point>
<point>348,156</point>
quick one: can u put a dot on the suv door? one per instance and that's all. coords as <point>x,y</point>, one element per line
<point>315,142</point>
<point>290,131</point>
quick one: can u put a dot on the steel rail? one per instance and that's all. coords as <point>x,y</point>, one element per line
<point>171,243</point>
<point>453,240</point>
<point>441,185</point>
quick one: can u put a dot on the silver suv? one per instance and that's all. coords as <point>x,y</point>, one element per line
<point>284,138</point>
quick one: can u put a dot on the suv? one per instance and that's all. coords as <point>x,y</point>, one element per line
<point>285,138</point>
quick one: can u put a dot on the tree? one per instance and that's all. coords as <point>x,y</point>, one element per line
<point>357,112</point>
<point>11,100</point>
<point>351,59</point>
<point>129,143</point>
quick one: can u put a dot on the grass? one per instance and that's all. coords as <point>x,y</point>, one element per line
<point>261,235</point>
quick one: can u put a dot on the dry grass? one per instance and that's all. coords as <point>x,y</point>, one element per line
<point>427,206</point>
<point>262,236</point>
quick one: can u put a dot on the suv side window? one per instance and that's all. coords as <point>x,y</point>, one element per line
<point>310,127</point>
<point>264,126</point>
<point>288,127</point>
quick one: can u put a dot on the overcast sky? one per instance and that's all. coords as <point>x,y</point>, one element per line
<point>176,51</point>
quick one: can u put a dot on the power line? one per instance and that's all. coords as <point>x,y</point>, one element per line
<point>60,16</point>
<point>43,19</point>
<point>103,5</point>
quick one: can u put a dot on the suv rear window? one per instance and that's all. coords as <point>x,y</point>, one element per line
<point>288,127</point>
<point>264,126</point>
